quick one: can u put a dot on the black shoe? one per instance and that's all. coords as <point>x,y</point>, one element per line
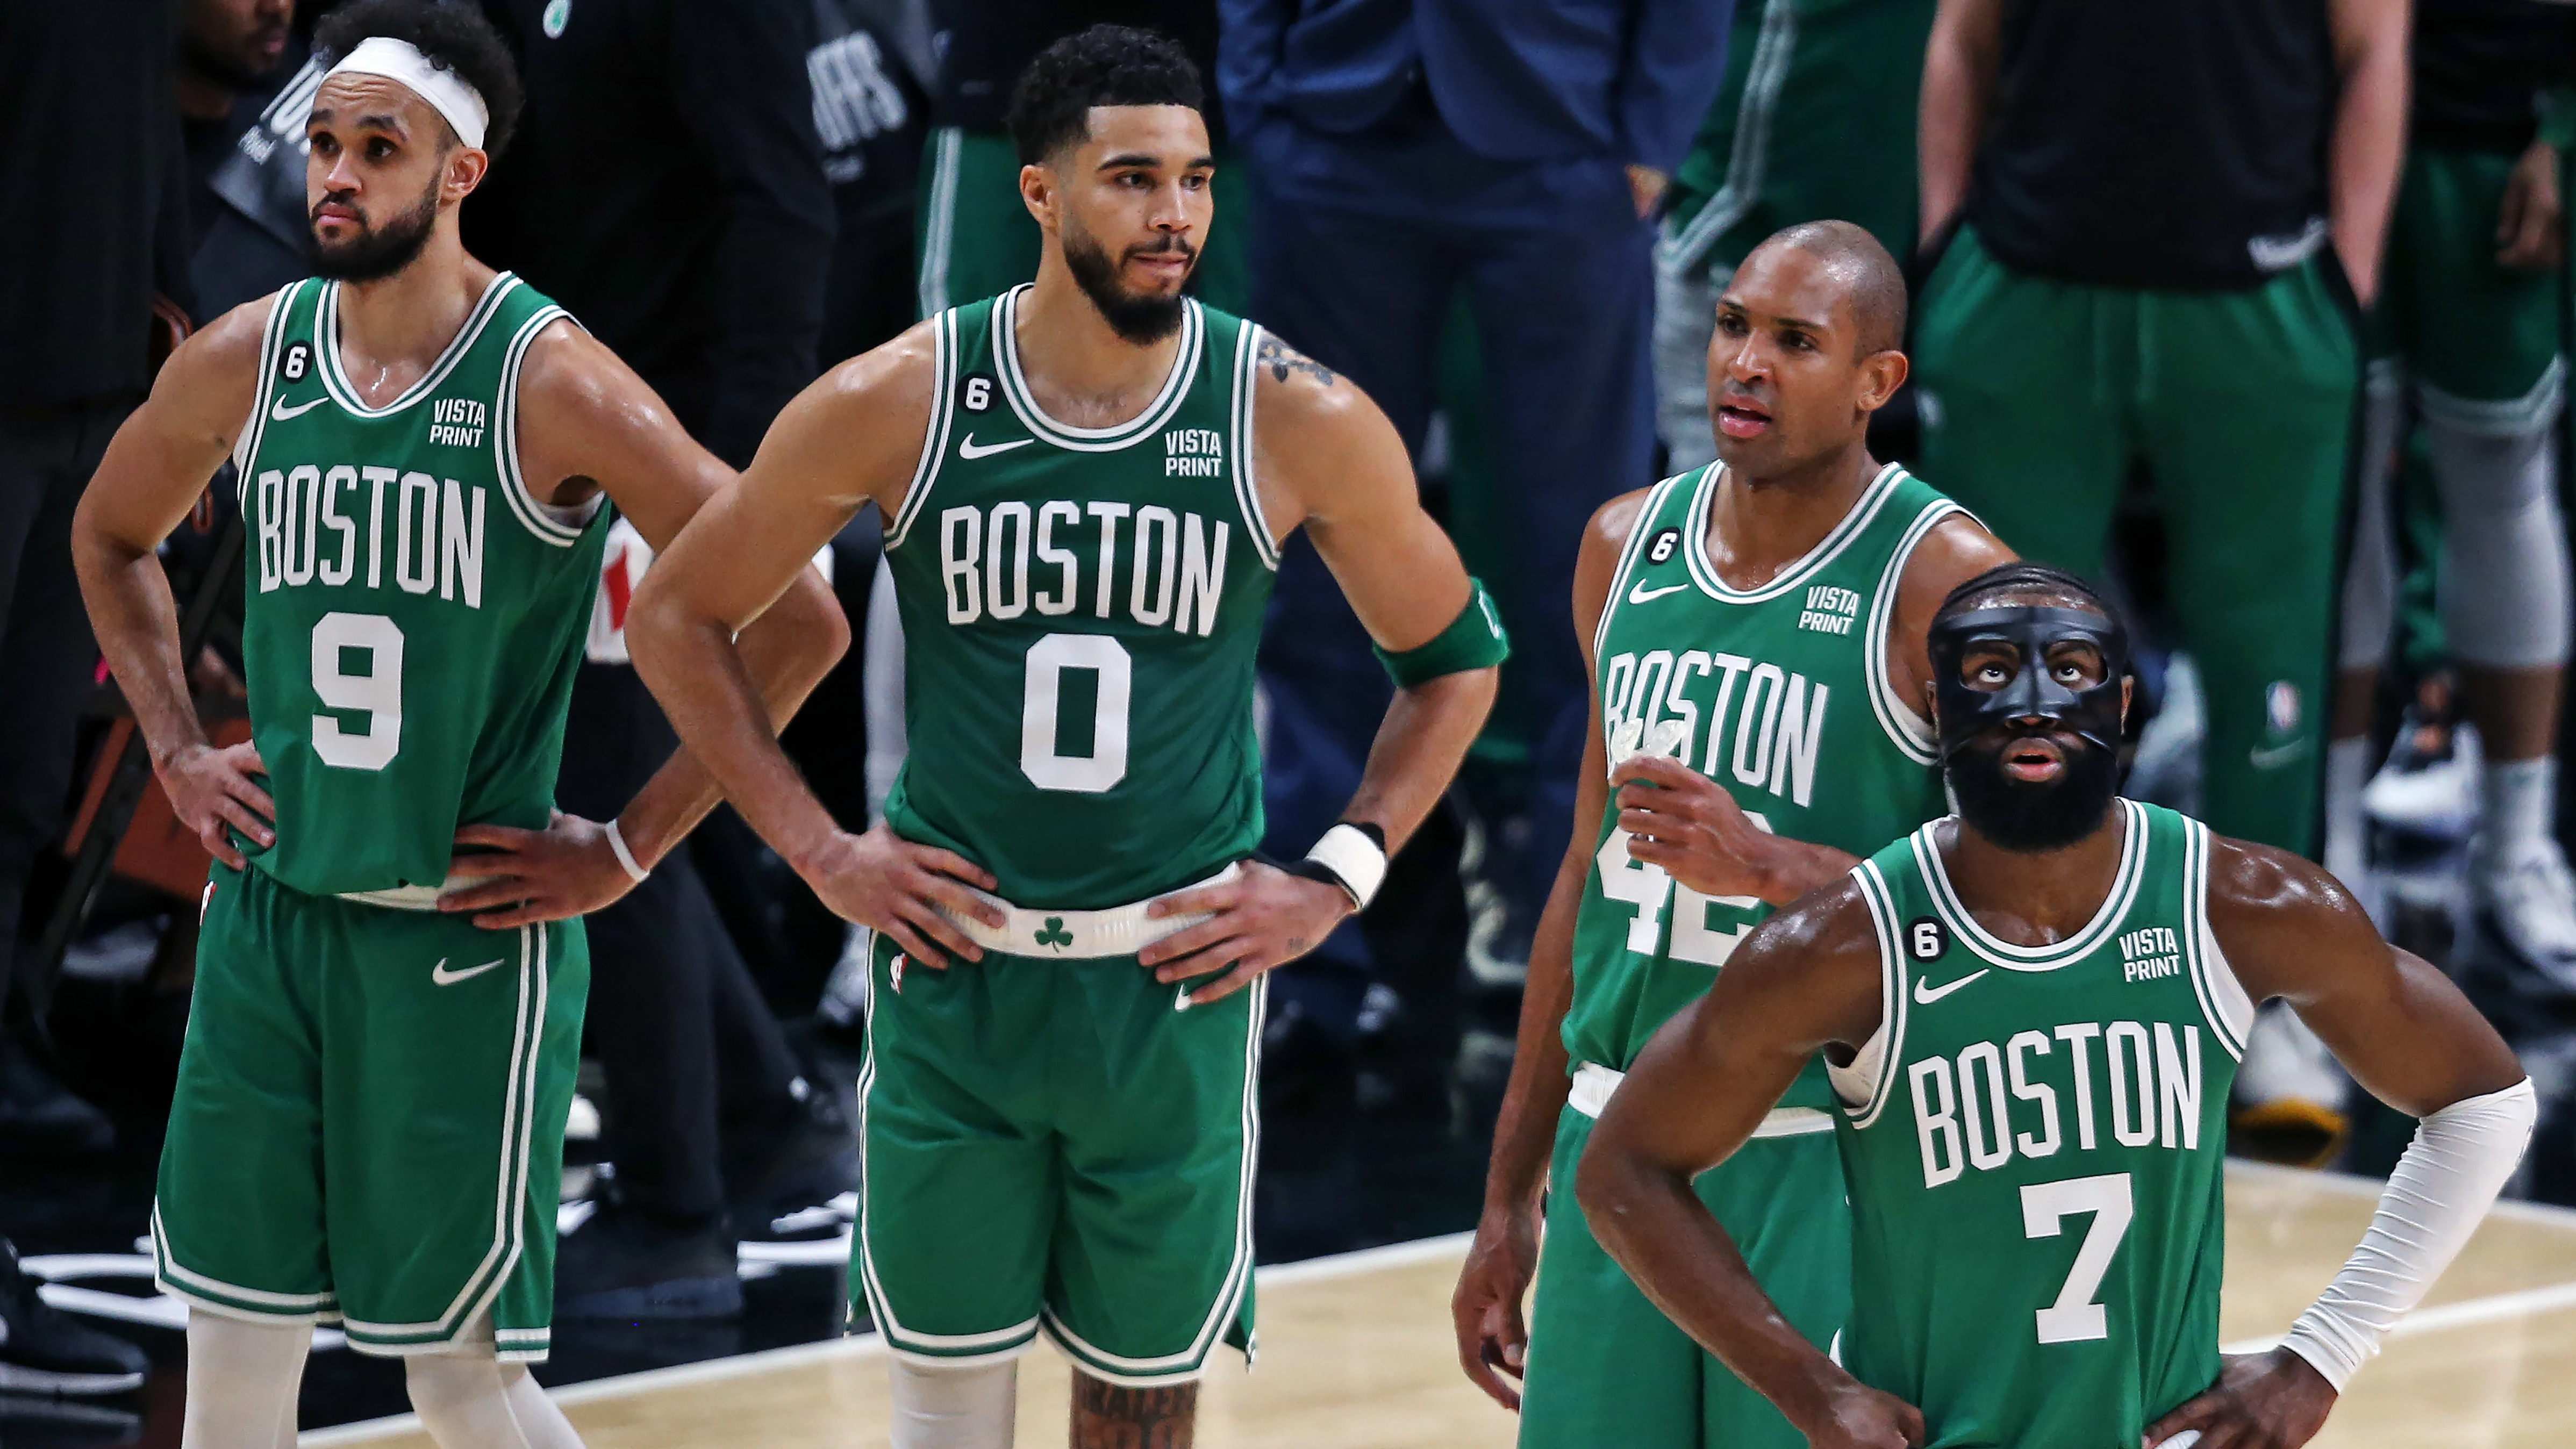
<point>43,1350</point>
<point>624,1266</point>
<point>804,1162</point>
<point>40,1114</point>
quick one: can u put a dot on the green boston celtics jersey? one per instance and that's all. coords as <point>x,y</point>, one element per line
<point>1080,608</point>
<point>2034,1144</point>
<point>1780,694</point>
<point>413,614</point>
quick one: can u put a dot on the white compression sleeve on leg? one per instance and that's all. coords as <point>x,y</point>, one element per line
<point>470,1400</point>
<point>959,1408</point>
<point>2370,573</point>
<point>2505,583</point>
<point>2442,1187</point>
<point>242,1378</point>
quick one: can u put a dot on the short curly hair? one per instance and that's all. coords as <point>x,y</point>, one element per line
<point>1106,65</point>
<point>454,36</point>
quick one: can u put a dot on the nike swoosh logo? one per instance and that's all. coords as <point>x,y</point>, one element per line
<point>1641,593</point>
<point>1925,995</point>
<point>282,412</point>
<point>440,975</point>
<point>967,448</point>
<point>2265,758</point>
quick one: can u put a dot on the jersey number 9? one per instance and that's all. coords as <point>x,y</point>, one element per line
<point>377,693</point>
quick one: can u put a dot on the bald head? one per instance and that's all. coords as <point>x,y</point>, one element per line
<point>1866,277</point>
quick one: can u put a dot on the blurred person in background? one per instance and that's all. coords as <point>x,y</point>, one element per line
<point>699,254</point>
<point>95,226</point>
<point>231,55</point>
<point>2157,220</point>
<point>2465,351</point>
<point>1816,120</point>
<point>1397,151</point>
<point>93,247</point>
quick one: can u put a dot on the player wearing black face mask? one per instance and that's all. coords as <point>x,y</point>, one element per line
<point>2029,699</point>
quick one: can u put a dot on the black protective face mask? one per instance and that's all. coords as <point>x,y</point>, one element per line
<point>2092,714</point>
<point>1978,725</point>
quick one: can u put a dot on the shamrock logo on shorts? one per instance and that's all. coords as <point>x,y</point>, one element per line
<point>1054,935</point>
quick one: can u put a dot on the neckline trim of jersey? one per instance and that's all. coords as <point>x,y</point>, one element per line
<point>326,348</point>
<point>1703,570</point>
<point>2114,909</point>
<point>1024,403</point>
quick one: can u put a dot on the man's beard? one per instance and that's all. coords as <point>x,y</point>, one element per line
<point>1141,320</point>
<point>222,69</point>
<point>2032,818</point>
<point>378,251</point>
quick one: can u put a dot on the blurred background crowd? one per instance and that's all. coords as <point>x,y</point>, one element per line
<point>2255,309</point>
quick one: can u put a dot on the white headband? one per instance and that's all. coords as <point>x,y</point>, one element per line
<point>401,62</point>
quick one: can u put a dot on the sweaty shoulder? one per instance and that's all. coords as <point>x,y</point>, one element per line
<point>1322,449</point>
<point>206,389</point>
<point>1819,959</point>
<point>2279,917</point>
<point>1598,559</point>
<point>1957,549</point>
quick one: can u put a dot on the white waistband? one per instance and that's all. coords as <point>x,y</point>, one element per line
<point>410,897</point>
<point>1593,1084</point>
<point>1080,935</point>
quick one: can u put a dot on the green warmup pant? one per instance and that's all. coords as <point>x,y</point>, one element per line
<point>369,1120</point>
<point>1816,122</point>
<point>1048,1145</point>
<point>974,237</point>
<point>2037,398</point>
<point>1607,1370</point>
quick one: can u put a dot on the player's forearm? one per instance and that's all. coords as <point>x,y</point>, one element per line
<point>701,675</point>
<point>783,654</point>
<point>1534,1098</point>
<point>1958,77</point>
<point>132,612</point>
<point>1424,738</point>
<point>1648,1218</point>
<point>1798,866</point>
<point>2367,151</point>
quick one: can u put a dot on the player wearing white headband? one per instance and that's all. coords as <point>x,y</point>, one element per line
<point>369,1119</point>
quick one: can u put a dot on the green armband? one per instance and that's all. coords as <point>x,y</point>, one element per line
<point>1473,640</point>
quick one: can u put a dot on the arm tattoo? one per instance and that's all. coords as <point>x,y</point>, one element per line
<point>1283,359</point>
<point>1106,1416</point>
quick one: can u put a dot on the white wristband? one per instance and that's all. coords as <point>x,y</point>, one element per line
<point>625,857</point>
<point>2449,1177</point>
<point>1357,861</point>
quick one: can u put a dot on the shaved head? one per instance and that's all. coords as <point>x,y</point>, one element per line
<point>1870,282</point>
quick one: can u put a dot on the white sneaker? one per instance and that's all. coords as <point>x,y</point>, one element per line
<point>2438,798</point>
<point>2529,900</point>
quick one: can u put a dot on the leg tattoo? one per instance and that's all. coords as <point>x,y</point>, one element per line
<point>1106,1416</point>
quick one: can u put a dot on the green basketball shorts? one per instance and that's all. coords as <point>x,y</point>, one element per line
<point>1607,1368</point>
<point>369,1119</point>
<point>2480,341</point>
<point>1048,1145</point>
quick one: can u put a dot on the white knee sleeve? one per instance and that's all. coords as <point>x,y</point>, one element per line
<point>467,1399</point>
<point>242,1378</point>
<point>2505,571</point>
<point>959,1408</point>
<point>2370,576</point>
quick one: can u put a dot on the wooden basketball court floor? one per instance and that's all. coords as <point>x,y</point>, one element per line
<point>1356,1352</point>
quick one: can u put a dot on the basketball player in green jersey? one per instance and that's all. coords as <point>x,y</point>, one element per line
<point>1756,636</point>
<point>2035,1011</point>
<point>369,1118</point>
<point>1088,480</point>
